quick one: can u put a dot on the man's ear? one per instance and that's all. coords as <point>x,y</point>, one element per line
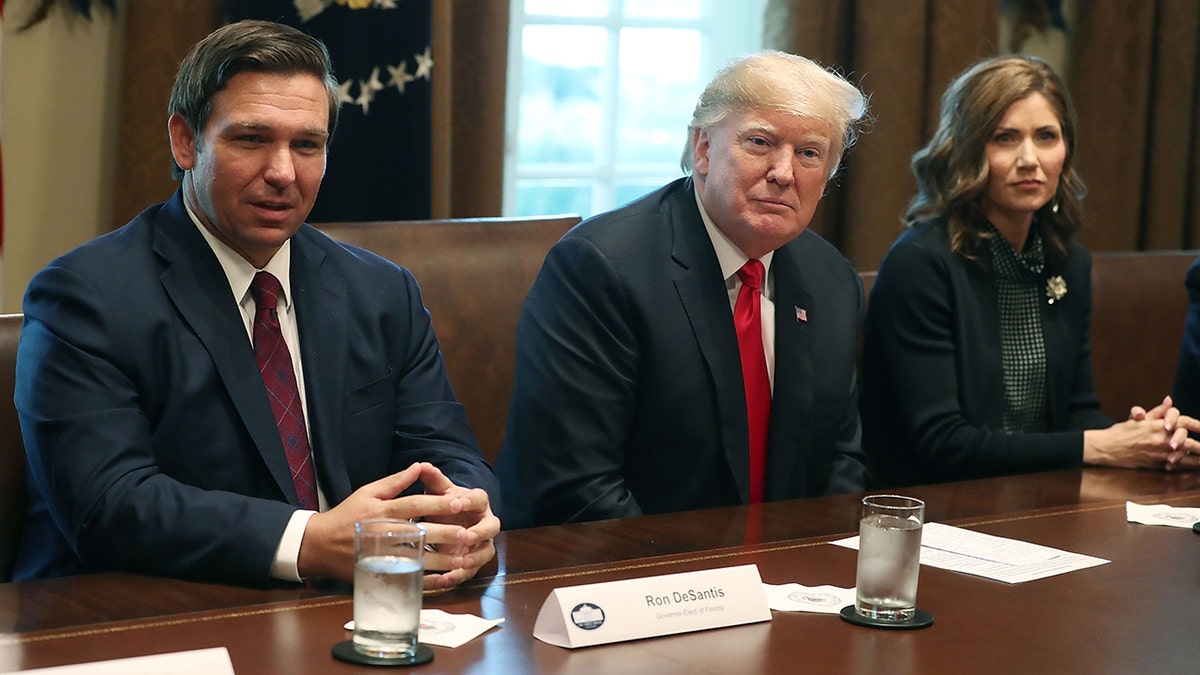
<point>183,141</point>
<point>701,142</point>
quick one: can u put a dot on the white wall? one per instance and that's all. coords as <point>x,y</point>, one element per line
<point>58,137</point>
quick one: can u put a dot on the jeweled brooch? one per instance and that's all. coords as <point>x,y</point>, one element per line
<point>1056,288</point>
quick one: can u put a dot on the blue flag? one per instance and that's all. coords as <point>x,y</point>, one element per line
<point>379,158</point>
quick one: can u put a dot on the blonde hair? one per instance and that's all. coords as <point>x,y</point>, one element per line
<point>780,81</point>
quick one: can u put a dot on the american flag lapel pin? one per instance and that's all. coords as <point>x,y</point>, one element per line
<point>801,314</point>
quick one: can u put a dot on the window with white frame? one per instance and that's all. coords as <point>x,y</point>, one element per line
<point>600,93</point>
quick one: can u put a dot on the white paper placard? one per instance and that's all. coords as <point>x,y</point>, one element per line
<point>213,661</point>
<point>595,614</point>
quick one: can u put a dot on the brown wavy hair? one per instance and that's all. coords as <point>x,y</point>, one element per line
<point>952,169</point>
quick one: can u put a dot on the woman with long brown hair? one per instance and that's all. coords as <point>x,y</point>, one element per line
<point>976,358</point>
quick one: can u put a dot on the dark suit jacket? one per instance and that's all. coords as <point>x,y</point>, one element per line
<point>628,396</point>
<point>150,439</point>
<point>1186,394</point>
<point>933,378</point>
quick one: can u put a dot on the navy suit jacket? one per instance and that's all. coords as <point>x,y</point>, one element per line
<point>1186,393</point>
<point>933,375</point>
<point>628,395</point>
<point>151,443</point>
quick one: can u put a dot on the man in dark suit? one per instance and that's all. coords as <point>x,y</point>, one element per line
<point>1187,375</point>
<point>154,443</point>
<point>631,396</point>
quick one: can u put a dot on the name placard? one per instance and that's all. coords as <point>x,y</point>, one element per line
<point>211,661</point>
<point>595,614</point>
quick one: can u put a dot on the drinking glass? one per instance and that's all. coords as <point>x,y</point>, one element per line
<point>889,557</point>
<point>389,569</point>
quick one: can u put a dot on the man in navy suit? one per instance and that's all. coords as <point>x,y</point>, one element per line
<point>629,395</point>
<point>151,437</point>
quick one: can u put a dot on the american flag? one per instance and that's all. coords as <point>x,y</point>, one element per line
<point>801,314</point>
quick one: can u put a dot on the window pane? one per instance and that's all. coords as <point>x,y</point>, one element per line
<point>665,9</point>
<point>561,111</point>
<point>601,92</point>
<point>539,197</point>
<point>624,193</point>
<point>658,89</point>
<point>567,7</point>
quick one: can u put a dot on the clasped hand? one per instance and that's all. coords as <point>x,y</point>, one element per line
<point>1150,439</point>
<point>459,526</point>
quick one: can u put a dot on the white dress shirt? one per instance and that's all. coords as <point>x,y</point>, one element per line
<point>732,259</point>
<point>239,272</point>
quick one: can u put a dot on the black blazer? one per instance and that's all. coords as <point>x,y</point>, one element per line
<point>933,379</point>
<point>150,439</point>
<point>1186,393</point>
<point>628,395</point>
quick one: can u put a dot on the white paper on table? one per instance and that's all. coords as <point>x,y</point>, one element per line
<point>448,630</point>
<point>1161,514</point>
<point>798,598</point>
<point>1008,560</point>
<point>213,661</point>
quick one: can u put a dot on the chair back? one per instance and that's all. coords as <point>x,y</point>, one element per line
<point>12,448</point>
<point>1139,307</point>
<point>474,274</point>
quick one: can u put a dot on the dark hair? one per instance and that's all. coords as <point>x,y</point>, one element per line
<point>246,46</point>
<point>952,169</point>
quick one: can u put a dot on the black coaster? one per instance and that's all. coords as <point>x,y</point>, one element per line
<point>920,620</point>
<point>344,651</point>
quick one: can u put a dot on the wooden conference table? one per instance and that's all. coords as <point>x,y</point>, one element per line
<point>1138,614</point>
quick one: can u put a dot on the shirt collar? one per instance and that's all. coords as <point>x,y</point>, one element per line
<point>239,272</point>
<point>729,255</point>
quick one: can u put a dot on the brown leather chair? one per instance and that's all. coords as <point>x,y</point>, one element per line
<point>12,448</point>
<point>474,274</point>
<point>1139,307</point>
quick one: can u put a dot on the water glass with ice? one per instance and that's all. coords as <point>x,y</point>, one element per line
<point>889,557</point>
<point>389,569</point>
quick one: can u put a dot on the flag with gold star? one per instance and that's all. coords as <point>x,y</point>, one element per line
<point>379,159</point>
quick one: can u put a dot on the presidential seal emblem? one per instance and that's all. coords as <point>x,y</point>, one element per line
<point>587,616</point>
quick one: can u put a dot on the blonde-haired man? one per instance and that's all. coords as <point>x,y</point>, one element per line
<point>695,348</point>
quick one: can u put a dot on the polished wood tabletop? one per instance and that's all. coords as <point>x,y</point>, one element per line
<point>1136,614</point>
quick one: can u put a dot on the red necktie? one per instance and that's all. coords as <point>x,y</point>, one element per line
<point>747,318</point>
<point>275,365</point>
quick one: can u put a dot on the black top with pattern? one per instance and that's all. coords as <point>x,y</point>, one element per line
<point>1019,278</point>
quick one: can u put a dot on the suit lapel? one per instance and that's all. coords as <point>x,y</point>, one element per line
<point>701,290</point>
<point>322,316</point>
<point>197,286</point>
<point>1060,371</point>
<point>792,400</point>
<point>982,319</point>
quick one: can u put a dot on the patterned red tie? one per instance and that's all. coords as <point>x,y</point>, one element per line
<point>747,318</point>
<point>275,365</point>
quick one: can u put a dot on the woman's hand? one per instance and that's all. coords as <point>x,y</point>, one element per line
<point>1149,439</point>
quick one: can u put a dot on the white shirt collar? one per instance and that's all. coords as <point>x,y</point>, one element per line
<point>728,254</point>
<point>239,272</point>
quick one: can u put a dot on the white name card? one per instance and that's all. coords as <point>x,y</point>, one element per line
<point>596,614</point>
<point>213,661</point>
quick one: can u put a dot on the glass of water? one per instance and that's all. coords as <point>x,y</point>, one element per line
<point>889,557</point>
<point>389,569</point>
